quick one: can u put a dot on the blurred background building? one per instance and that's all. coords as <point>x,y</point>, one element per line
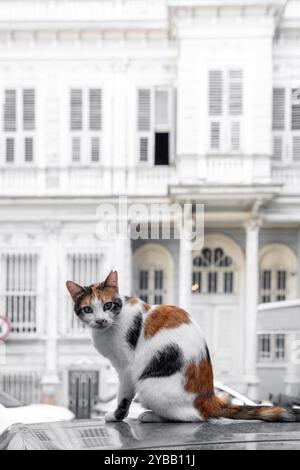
<point>162,101</point>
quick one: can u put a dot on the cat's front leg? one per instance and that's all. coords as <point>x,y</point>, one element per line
<point>125,396</point>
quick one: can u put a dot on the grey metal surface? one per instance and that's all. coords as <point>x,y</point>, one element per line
<point>95,434</point>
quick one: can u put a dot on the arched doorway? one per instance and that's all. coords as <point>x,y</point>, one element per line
<point>153,274</point>
<point>217,303</point>
<point>278,273</point>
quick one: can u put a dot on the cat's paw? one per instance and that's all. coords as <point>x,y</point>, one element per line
<point>149,417</point>
<point>111,418</point>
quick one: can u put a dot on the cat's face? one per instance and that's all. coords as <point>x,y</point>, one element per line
<point>98,305</point>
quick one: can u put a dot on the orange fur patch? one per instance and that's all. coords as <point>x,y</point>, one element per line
<point>200,380</point>
<point>105,294</point>
<point>133,301</point>
<point>165,316</point>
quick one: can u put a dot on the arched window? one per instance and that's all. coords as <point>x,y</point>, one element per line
<point>214,272</point>
<point>278,268</point>
<point>153,274</point>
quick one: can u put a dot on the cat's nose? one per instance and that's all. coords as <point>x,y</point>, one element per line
<point>101,322</point>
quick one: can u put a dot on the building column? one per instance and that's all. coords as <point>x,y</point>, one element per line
<point>122,262</point>
<point>298,256</point>
<point>50,381</point>
<point>291,380</point>
<point>252,299</point>
<point>185,271</point>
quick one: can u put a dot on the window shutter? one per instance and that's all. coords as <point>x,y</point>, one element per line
<point>144,123</point>
<point>296,148</point>
<point>95,149</point>
<point>144,110</point>
<point>10,111</point>
<point>162,117</point>
<point>10,150</point>
<point>235,92</point>
<point>144,149</point>
<point>95,102</point>
<point>76,110</point>
<point>277,147</point>
<point>29,109</point>
<point>278,109</point>
<point>295,111</point>
<point>76,149</point>
<point>216,91</point>
<point>28,149</point>
<point>215,135</point>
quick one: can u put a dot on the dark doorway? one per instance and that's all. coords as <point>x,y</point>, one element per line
<point>162,148</point>
<point>83,392</point>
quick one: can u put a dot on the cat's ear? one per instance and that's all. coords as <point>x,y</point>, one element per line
<point>74,289</point>
<point>112,280</point>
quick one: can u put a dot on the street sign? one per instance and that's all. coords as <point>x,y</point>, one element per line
<point>5,328</point>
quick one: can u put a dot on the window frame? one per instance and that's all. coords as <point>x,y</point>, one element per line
<point>272,359</point>
<point>154,127</point>
<point>85,135</point>
<point>20,134</point>
<point>226,121</point>
<point>287,137</point>
<point>213,276</point>
<point>35,293</point>
<point>273,292</point>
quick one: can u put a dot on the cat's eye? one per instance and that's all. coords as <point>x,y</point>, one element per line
<point>87,309</point>
<point>107,306</point>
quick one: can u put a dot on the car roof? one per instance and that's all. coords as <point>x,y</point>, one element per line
<point>95,434</point>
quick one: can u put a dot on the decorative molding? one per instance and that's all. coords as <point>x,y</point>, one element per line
<point>16,240</point>
<point>120,65</point>
<point>254,224</point>
<point>52,227</point>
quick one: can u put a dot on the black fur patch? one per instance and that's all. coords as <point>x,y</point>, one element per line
<point>87,291</point>
<point>122,409</point>
<point>165,363</point>
<point>207,354</point>
<point>133,333</point>
<point>117,306</point>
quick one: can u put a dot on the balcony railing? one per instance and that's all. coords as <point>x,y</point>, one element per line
<point>86,181</point>
<point>146,180</point>
<point>288,175</point>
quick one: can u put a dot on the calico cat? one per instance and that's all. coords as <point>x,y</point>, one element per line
<point>159,353</point>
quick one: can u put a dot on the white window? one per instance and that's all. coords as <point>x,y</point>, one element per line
<point>271,347</point>
<point>18,125</point>
<point>278,273</point>
<point>85,125</point>
<point>213,272</point>
<point>225,107</point>
<point>155,125</point>
<point>152,285</point>
<point>19,297</point>
<point>273,285</point>
<point>286,124</point>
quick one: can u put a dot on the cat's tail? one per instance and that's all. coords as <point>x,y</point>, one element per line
<point>216,408</point>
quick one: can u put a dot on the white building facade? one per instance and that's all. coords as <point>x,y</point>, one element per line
<point>162,101</point>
